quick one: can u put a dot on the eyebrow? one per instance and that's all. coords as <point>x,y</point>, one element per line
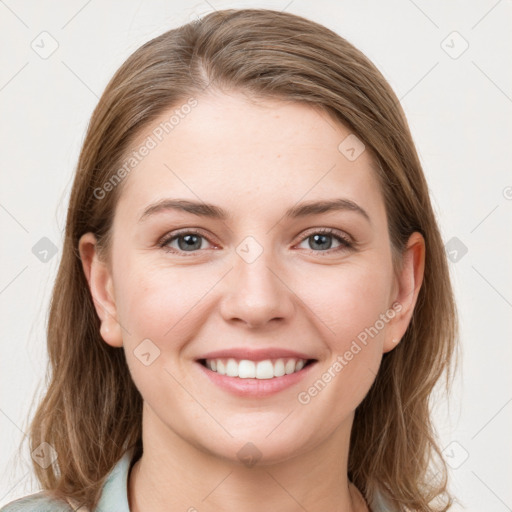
<point>216,212</point>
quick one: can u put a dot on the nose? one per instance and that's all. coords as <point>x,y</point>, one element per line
<point>256,293</point>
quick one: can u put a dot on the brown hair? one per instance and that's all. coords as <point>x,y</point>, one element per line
<point>92,411</point>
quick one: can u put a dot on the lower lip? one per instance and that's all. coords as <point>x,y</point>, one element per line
<point>256,387</point>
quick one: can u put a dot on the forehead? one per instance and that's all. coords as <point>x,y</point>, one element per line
<point>249,154</point>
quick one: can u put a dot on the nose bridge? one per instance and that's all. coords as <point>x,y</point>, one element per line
<point>255,292</point>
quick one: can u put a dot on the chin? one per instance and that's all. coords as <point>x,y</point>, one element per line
<point>252,448</point>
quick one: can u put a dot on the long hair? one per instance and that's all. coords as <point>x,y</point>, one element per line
<point>92,412</point>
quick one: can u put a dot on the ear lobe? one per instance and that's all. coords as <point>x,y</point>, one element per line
<point>408,286</point>
<point>101,287</point>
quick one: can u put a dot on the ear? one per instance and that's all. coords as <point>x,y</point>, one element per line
<point>406,290</point>
<point>101,287</point>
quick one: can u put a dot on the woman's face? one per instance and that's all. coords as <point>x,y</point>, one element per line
<point>255,275</point>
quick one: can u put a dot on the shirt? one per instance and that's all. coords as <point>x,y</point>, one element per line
<point>114,495</point>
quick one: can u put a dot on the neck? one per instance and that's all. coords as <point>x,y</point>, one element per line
<point>172,472</point>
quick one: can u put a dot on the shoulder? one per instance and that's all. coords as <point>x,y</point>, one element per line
<point>379,504</point>
<point>38,502</point>
<point>114,494</point>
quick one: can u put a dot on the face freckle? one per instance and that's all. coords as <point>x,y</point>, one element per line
<point>279,292</point>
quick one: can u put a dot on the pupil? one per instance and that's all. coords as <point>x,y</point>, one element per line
<point>190,242</point>
<point>324,241</point>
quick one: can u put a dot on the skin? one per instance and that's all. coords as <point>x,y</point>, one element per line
<point>254,159</point>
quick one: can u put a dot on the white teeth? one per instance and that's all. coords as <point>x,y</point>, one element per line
<point>232,368</point>
<point>279,368</point>
<point>245,369</point>
<point>220,367</point>
<point>264,370</point>
<point>290,366</point>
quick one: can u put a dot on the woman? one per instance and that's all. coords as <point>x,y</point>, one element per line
<point>253,294</point>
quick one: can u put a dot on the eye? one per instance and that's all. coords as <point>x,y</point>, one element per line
<point>321,240</point>
<point>186,241</point>
<point>191,241</point>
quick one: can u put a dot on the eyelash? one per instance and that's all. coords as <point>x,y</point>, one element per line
<point>346,244</point>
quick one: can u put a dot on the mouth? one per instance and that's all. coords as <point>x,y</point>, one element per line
<point>265,369</point>
<point>254,372</point>
<point>254,378</point>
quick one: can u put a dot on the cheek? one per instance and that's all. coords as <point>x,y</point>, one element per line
<point>348,300</point>
<point>350,303</point>
<point>158,302</point>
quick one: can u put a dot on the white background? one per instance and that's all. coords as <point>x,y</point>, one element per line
<point>460,113</point>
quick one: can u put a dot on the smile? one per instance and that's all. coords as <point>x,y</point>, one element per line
<point>247,369</point>
<point>256,379</point>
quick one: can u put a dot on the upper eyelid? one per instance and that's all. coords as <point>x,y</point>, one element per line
<point>328,231</point>
<point>168,237</point>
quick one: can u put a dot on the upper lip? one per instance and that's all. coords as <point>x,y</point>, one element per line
<point>255,354</point>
